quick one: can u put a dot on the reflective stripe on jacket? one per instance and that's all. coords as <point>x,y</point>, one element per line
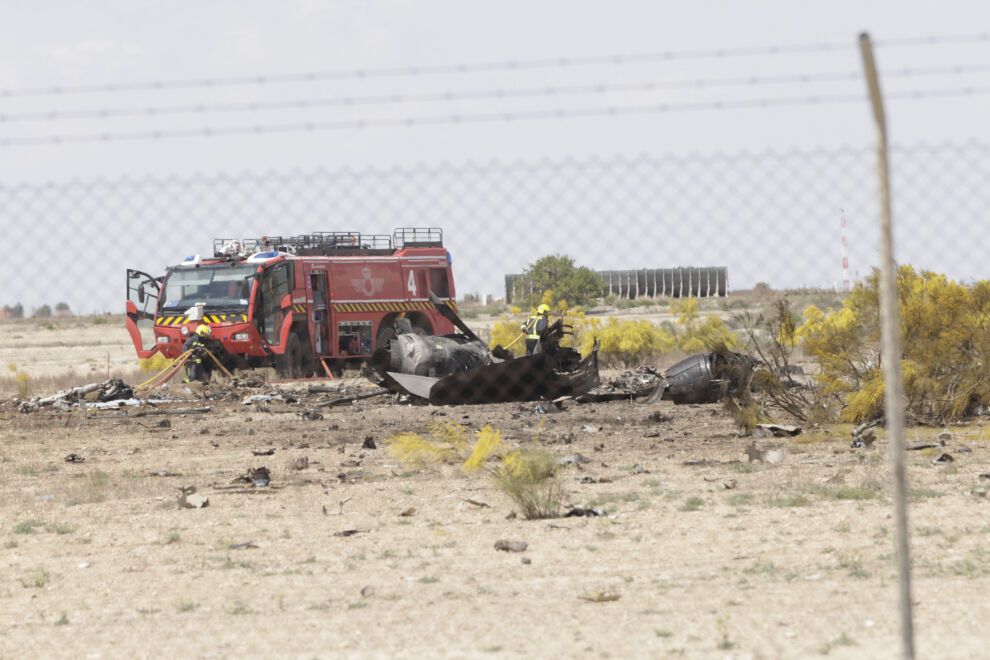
<point>532,326</point>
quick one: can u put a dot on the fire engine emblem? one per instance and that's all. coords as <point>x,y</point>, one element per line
<point>368,285</point>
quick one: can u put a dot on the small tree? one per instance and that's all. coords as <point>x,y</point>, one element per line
<point>43,312</point>
<point>62,309</point>
<point>578,285</point>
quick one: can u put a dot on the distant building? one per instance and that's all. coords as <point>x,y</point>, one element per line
<point>680,282</point>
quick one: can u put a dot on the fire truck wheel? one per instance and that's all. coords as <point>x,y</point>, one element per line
<point>289,364</point>
<point>310,363</point>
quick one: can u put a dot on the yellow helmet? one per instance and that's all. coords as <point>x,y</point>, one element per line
<point>543,309</point>
<point>203,331</point>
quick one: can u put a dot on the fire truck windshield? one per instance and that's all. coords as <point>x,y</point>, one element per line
<point>221,286</point>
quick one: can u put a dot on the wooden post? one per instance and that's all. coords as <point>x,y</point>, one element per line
<point>891,352</point>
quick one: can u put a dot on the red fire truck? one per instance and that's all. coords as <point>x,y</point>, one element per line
<point>301,304</point>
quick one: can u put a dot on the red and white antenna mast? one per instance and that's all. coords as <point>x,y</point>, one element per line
<point>845,253</point>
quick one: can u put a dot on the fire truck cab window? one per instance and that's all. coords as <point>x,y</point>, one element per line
<point>218,287</point>
<point>275,283</point>
<point>354,338</point>
<point>439,284</point>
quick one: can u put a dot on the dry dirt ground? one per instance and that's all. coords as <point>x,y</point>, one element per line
<point>709,555</point>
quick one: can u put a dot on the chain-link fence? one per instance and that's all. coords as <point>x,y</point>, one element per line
<point>771,216</point>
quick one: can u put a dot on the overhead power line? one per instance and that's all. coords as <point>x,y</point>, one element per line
<point>473,118</point>
<point>565,62</point>
<point>475,95</point>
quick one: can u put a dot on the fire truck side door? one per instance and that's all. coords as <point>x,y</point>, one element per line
<point>275,284</point>
<point>142,303</point>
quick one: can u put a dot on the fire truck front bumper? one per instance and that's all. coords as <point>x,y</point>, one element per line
<point>237,339</point>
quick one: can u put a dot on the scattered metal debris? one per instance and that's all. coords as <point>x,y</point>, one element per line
<point>249,381</point>
<point>573,459</point>
<point>261,398</point>
<point>263,452</point>
<point>863,440</point>
<point>258,477</point>
<point>347,532</point>
<point>74,458</point>
<point>112,389</point>
<point>351,399</point>
<point>639,383</point>
<point>173,411</point>
<point>584,512</point>
<point>511,546</point>
<point>943,459</point>
<point>480,505</point>
<point>600,596</point>
<point>922,445</point>
<point>190,499</point>
<point>246,545</point>
<point>707,377</point>
<point>780,430</point>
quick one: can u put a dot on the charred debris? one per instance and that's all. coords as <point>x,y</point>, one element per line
<point>460,369</point>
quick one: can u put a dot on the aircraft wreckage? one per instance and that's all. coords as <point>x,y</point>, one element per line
<point>460,369</point>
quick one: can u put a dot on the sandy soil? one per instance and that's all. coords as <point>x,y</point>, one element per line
<point>72,348</point>
<point>709,555</point>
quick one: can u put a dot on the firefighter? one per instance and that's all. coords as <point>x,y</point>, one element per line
<point>199,366</point>
<point>535,325</point>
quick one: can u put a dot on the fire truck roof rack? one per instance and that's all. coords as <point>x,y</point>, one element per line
<point>319,243</point>
<point>418,237</point>
<point>329,243</point>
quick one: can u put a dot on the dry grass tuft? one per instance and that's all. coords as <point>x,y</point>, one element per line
<point>448,442</point>
<point>487,442</point>
<point>529,478</point>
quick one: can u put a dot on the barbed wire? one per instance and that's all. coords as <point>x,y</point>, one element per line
<point>550,91</point>
<point>564,62</point>
<point>496,166</point>
<point>476,118</point>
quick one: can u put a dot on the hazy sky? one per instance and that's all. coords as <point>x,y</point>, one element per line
<point>46,44</point>
<point>66,43</point>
